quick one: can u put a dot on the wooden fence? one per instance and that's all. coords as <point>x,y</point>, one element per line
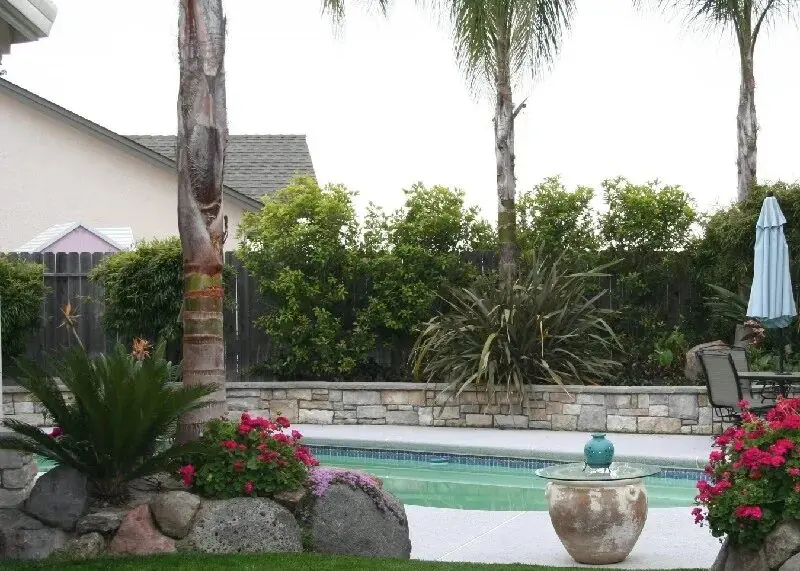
<point>66,277</point>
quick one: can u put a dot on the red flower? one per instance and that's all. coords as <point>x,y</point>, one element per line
<point>244,429</point>
<point>281,437</point>
<point>229,444</point>
<point>187,474</point>
<point>248,488</point>
<point>753,512</point>
<point>238,466</point>
<point>698,515</point>
<point>716,456</point>
<point>56,432</point>
<point>794,472</point>
<point>744,404</point>
<point>296,435</point>
<point>282,421</point>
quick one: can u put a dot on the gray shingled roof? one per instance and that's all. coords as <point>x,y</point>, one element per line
<point>255,165</point>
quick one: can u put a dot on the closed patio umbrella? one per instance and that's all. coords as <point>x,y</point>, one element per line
<point>771,300</point>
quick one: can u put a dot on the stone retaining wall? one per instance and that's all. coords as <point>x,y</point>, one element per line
<point>17,474</point>
<point>648,410</point>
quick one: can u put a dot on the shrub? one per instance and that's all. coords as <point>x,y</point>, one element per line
<point>123,406</point>
<point>755,476</point>
<point>21,293</point>
<point>544,328</point>
<point>252,457</point>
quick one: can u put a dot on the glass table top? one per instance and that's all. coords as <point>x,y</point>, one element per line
<point>580,472</point>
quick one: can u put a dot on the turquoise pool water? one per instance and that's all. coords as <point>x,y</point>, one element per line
<point>492,488</point>
<point>474,482</point>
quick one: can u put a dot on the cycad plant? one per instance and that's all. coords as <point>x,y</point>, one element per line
<point>545,328</point>
<point>121,407</point>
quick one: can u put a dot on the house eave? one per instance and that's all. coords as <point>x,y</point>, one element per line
<point>28,20</point>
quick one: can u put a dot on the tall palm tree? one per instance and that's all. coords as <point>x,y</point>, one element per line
<point>495,41</point>
<point>747,19</point>
<point>202,136</point>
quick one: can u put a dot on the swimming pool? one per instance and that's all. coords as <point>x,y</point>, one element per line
<point>480,482</point>
<point>476,482</point>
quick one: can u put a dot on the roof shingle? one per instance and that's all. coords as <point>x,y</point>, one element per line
<point>255,165</point>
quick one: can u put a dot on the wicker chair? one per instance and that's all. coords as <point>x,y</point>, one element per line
<point>725,390</point>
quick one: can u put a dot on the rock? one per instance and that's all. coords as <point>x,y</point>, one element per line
<point>694,369</point>
<point>722,556</point>
<point>87,546</point>
<point>173,512</point>
<point>23,537</point>
<point>137,535</point>
<point>291,499</point>
<point>743,559</point>
<point>244,525</point>
<point>103,521</point>
<point>349,520</point>
<point>792,564</point>
<point>782,543</point>
<point>59,498</point>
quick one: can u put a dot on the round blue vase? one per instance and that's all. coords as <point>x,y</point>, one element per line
<point>598,452</point>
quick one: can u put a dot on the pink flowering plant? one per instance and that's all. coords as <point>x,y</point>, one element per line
<point>754,476</point>
<point>251,457</point>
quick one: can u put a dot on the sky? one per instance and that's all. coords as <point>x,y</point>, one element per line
<point>633,92</point>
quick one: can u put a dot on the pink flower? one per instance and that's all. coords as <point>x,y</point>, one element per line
<point>743,404</point>
<point>296,435</point>
<point>187,474</point>
<point>56,432</point>
<point>715,456</point>
<point>794,472</point>
<point>282,421</point>
<point>238,466</point>
<point>229,444</point>
<point>248,488</point>
<point>698,515</point>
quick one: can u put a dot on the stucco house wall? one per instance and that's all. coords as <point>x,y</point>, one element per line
<point>53,172</point>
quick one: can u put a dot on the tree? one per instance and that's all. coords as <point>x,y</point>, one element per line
<point>494,41</point>
<point>202,136</point>
<point>747,19</point>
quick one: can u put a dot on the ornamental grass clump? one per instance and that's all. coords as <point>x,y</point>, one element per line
<point>754,476</point>
<point>251,457</point>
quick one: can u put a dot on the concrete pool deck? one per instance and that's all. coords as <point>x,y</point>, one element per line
<point>670,539</point>
<point>666,450</point>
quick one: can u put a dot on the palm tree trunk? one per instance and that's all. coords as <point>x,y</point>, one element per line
<point>506,181</point>
<point>746,128</point>
<point>202,136</point>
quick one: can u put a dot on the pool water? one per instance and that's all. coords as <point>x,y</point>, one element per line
<point>492,488</point>
<point>475,487</point>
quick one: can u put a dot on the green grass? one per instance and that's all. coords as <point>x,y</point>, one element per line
<point>267,562</point>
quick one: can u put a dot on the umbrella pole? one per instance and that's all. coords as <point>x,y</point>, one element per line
<point>781,351</point>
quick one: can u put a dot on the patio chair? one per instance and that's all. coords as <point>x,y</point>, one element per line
<point>725,389</point>
<point>741,361</point>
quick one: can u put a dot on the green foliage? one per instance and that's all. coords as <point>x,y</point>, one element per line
<point>123,406</point>
<point>252,457</point>
<point>551,218</point>
<point>143,290</point>
<point>544,328</point>
<point>302,249</point>
<point>21,293</point>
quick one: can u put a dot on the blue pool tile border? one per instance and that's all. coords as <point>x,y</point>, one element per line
<point>474,460</point>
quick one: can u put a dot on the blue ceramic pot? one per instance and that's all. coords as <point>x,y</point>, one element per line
<point>598,452</point>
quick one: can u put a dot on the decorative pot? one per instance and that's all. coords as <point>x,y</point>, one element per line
<point>598,522</point>
<point>598,452</point>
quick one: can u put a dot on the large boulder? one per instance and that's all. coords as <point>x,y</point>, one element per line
<point>59,498</point>
<point>87,546</point>
<point>244,525</point>
<point>359,519</point>
<point>694,369</point>
<point>174,512</point>
<point>779,552</point>
<point>137,535</point>
<point>23,537</point>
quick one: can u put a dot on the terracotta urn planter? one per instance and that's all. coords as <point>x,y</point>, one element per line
<point>598,522</point>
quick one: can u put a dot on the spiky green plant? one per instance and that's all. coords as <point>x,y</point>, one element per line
<point>121,406</point>
<point>545,328</point>
<point>727,305</point>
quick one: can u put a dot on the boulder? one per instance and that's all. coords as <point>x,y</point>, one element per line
<point>792,564</point>
<point>782,543</point>
<point>137,535</point>
<point>364,521</point>
<point>23,537</point>
<point>102,521</point>
<point>173,512</point>
<point>694,369</point>
<point>244,525</point>
<point>87,546</point>
<point>744,559</point>
<point>722,556</point>
<point>59,498</point>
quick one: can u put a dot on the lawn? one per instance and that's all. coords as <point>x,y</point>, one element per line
<point>269,562</point>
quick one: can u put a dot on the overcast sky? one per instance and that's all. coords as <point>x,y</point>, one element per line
<point>633,93</point>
